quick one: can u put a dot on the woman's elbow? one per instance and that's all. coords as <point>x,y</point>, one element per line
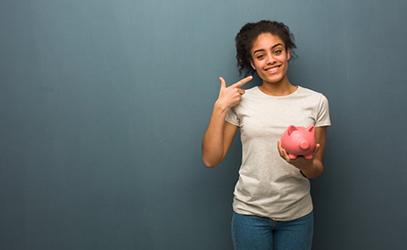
<point>209,164</point>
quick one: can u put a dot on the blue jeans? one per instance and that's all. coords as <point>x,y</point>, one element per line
<point>251,232</point>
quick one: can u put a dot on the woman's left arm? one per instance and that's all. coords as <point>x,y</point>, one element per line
<point>310,168</point>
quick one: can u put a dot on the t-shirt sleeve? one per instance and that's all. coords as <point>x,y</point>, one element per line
<point>322,115</point>
<point>232,117</point>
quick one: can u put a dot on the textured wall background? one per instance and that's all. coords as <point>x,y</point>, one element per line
<point>103,105</point>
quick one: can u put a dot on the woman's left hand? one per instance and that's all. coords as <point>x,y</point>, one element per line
<point>300,162</point>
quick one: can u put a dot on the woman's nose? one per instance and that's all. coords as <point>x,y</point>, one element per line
<point>270,59</point>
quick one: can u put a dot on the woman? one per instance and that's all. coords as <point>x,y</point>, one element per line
<point>272,203</point>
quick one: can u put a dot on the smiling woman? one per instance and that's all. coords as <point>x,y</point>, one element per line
<point>270,59</point>
<point>272,203</point>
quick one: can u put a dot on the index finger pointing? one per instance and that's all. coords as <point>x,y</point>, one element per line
<point>242,82</point>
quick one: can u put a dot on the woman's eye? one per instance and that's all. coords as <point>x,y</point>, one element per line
<point>260,57</point>
<point>278,52</point>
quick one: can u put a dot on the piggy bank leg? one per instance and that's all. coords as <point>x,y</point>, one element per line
<point>308,157</point>
<point>292,156</point>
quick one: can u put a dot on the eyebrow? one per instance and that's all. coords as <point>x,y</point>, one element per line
<point>275,45</point>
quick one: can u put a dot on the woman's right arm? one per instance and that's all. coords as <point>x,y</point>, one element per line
<point>217,138</point>
<point>219,134</point>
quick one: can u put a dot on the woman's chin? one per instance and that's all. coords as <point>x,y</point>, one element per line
<point>272,79</point>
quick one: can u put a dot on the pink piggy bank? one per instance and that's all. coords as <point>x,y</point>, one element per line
<point>299,141</point>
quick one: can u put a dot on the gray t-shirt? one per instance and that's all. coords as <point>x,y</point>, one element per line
<point>268,186</point>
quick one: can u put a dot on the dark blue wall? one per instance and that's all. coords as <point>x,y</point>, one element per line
<point>103,105</point>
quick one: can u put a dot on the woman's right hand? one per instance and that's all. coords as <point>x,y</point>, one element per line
<point>231,96</point>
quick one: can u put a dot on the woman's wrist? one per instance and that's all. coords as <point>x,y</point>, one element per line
<point>220,106</point>
<point>311,170</point>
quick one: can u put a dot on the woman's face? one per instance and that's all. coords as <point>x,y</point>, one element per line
<point>269,58</point>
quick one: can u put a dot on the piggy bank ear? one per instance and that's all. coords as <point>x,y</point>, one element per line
<point>311,128</point>
<point>291,129</point>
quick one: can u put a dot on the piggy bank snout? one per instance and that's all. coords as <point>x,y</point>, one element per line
<point>304,145</point>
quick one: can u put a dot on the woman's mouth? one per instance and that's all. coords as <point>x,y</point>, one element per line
<point>273,69</point>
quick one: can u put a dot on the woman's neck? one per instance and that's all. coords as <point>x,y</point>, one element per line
<point>281,88</point>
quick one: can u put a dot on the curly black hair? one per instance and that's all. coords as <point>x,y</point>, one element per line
<point>250,31</point>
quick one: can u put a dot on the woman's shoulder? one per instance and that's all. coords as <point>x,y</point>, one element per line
<point>311,92</point>
<point>252,91</point>
<point>308,90</point>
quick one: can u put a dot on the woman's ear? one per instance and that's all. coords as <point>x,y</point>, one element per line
<point>252,64</point>
<point>288,55</point>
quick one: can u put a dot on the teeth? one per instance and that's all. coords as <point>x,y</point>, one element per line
<point>273,69</point>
